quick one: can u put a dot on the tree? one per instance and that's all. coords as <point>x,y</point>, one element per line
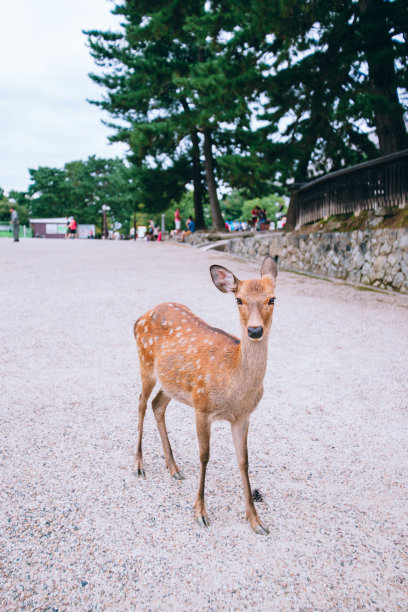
<point>142,63</point>
<point>82,187</point>
<point>173,77</point>
<point>256,92</point>
<point>5,205</point>
<point>48,192</point>
<point>384,38</point>
<point>319,89</point>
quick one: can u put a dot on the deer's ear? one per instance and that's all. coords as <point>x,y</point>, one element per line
<point>269,268</point>
<point>224,279</point>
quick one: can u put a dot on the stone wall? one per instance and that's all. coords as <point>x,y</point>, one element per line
<point>372,257</point>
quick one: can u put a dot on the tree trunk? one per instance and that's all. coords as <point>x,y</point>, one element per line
<point>198,183</point>
<point>378,47</point>
<point>217,220</point>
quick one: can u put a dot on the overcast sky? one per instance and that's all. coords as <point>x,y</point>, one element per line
<point>45,119</point>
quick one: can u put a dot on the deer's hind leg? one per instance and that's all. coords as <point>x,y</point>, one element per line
<point>159,405</point>
<point>148,382</point>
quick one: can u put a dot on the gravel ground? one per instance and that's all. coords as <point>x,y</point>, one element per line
<point>328,443</point>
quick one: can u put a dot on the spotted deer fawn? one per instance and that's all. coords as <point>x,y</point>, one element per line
<point>209,369</point>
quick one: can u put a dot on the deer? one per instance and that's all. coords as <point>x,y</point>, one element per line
<point>214,372</point>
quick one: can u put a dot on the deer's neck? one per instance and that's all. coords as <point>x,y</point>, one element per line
<point>252,360</point>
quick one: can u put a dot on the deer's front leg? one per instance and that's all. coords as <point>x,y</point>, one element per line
<point>203,434</point>
<point>240,435</point>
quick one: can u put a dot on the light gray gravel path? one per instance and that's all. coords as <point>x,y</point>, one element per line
<point>328,443</point>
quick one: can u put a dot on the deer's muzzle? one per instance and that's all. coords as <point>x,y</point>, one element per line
<point>255,332</point>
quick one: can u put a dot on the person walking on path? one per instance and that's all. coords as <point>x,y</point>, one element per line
<point>15,223</point>
<point>73,228</point>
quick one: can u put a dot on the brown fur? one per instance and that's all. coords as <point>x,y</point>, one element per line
<point>209,369</point>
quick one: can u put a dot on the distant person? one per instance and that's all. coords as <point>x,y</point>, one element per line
<point>254,216</point>
<point>72,227</point>
<point>15,224</point>
<point>190,228</point>
<point>177,221</point>
<point>263,218</point>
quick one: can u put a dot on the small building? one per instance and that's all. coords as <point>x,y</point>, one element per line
<point>57,228</point>
<point>49,228</point>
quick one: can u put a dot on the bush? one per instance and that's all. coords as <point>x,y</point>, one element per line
<point>272,203</point>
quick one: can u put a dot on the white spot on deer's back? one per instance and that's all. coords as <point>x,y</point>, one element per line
<point>150,341</point>
<point>141,322</point>
<point>156,338</point>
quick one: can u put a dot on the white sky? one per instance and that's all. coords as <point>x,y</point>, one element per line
<point>45,119</point>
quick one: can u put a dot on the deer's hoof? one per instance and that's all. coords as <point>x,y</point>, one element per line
<point>178,476</point>
<point>203,521</point>
<point>141,473</point>
<point>261,530</point>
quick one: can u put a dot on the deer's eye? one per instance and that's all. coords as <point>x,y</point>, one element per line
<point>271,301</point>
<point>238,301</point>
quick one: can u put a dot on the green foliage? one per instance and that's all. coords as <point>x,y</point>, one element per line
<point>81,188</point>
<point>284,89</point>
<point>22,211</point>
<point>271,203</point>
<point>232,205</point>
<point>186,205</point>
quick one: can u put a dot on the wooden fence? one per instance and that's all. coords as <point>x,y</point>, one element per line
<point>379,183</point>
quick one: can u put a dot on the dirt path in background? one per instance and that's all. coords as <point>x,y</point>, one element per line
<point>328,443</point>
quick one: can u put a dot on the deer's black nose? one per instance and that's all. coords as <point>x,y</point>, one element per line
<point>255,332</point>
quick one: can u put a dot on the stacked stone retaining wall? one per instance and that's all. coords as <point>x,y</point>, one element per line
<point>372,257</point>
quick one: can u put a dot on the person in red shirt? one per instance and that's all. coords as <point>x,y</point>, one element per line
<point>72,227</point>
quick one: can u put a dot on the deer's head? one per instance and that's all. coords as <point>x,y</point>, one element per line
<point>255,298</point>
